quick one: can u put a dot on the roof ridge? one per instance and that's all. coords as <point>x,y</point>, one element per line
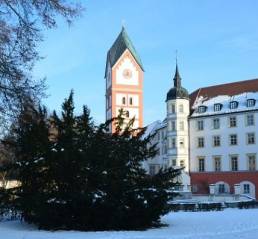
<point>229,83</point>
<point>119,46</point>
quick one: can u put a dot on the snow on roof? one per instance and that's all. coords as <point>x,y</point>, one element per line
<point>152,128</point>
<point>225,101</point>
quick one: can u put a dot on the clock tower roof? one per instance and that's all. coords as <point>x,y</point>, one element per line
<point>122,43</point>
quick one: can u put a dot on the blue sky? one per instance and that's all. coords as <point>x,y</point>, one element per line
<point>217,42</point>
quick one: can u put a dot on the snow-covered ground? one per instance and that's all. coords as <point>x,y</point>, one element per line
<point>227,224</point>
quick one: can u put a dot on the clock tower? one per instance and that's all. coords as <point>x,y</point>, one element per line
<point>124,81</point>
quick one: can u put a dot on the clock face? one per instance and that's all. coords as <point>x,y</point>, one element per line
<point>127,73</point>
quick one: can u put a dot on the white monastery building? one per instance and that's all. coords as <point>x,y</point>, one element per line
<point>211,133</point>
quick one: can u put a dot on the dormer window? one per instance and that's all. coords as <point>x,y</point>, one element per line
<point>250,102</point>
<point>202,109</point>
<point>233,104</point>
<point>217,107</point>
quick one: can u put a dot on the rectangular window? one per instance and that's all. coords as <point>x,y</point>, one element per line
<point>173,143</point>
<point>217,107</point>
<point>181,108</point>
<point>222,188</point>
<point>201,165</point>
<point>216,123</point>
<point>251,162</point>
<point>217,163</point>
<point>232,121</point>
<point>173,109</point>
<point>216,141</point>
<point>246,188</point>
<point>182,163</point>
<point>250,138</point>
<point>233,139</point>
<point>123,100</point>
<point>173,125</point>
<point>200,125</point>
<point>200,142</point>
<point>131,101</point>
<point>250,120</point>
<point>181,125</point>
<point>234,163</point>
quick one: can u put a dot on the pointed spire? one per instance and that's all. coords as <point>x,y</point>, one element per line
<point>177,78</point>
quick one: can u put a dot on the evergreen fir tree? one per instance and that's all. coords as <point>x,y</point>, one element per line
<point>31,147</point>
<point>129,198</point>
<point>84,178</point>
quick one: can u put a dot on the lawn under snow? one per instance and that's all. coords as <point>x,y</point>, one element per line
<point>227,224</point>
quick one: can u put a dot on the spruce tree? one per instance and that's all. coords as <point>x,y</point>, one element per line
<point>129,198</point>
<point>75,175</point>
<point>31,147</point>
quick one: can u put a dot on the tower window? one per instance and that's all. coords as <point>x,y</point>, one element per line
<point>217,107</point>
<point>181,108</point>
<point>131,101</point>
<point>173,143</point>
<point>250,102</point>
<point>123,100</point>
<point>127,114</point>
<point>173,109</point>
<point>181,125</point>
<point>173,128</point>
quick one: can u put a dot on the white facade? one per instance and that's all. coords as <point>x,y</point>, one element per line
<point>217,135</point>
<point>217,141</point>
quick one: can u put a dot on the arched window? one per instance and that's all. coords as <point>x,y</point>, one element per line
<point>233,104</point>
<point>202,109</point>
<point>222,187</point>
<point>217,107</point>
<point>250,102</point>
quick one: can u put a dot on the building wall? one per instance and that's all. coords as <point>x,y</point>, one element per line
<point>200,180</point>
<point>225,150</point>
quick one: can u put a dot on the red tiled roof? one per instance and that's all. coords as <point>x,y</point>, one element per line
<point>230,89</point>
